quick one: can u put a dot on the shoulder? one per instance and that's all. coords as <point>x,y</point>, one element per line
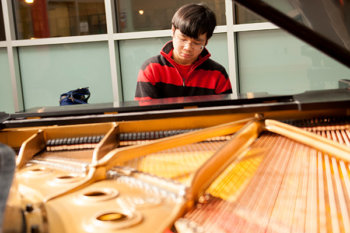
<point>156,60</point>
<point>211,65</point>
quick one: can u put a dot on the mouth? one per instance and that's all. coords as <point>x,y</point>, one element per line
<point>186,55</point>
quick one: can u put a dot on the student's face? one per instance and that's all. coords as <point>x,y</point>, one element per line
<point>187,49</point>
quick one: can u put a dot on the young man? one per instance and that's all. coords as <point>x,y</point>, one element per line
<point>183,67</point>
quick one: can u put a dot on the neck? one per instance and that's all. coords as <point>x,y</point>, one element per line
<point>180,61</point>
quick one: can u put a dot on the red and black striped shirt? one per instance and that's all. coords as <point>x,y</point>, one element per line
<point>160,77</point>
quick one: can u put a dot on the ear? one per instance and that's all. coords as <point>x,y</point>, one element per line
<point>206,42</point>
<point>172,30</point>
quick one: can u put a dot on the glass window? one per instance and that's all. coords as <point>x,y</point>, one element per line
<point>274,62</point>
<point>330,19</point>
<point>243,15</point>
<point>6,97</point>
<point>63,68</point>
<point>141,15</point>
<point>55,18</point>
<point>2,27</point>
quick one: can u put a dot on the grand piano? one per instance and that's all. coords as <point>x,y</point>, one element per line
<point>247,163</point>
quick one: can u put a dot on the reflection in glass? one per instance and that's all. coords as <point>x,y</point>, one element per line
<point>2,27</point>
<point>55,18</point>
<point>244,15</point>
<point>141,15</point>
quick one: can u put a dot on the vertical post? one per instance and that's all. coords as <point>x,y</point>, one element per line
<point>76,17</point>
<point>231,44</point>
<point>111,28</point>
<point>126,18</point>
<point>40,19</point>
<point>16,84</point>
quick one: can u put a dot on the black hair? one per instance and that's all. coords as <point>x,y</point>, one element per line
<point>194,19</point>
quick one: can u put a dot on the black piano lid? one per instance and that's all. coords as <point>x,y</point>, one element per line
<point>177,107</point>
<point>3,116</point>
<point>324,24</point>
<point>154,104</point>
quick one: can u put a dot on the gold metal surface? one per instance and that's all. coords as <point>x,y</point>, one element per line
<point>232,173</point>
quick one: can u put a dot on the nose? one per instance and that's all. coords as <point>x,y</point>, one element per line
<point>187,45</point>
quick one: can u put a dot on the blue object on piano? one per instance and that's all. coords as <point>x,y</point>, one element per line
<point>77,96</point>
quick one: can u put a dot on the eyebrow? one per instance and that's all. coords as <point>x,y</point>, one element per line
<point>183,35</point>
